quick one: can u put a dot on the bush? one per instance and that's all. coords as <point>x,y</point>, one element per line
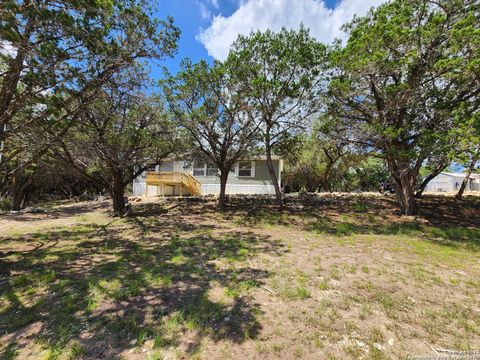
<point>5,204</point>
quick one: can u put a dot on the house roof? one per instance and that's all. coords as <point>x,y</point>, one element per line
<point>263,157</point>
<point>459,175</point>
<point>260,157</point>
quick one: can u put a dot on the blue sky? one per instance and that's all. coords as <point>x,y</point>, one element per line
<point>188,17</point>
<point>221,20</point>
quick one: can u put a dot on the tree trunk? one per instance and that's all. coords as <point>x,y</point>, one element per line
<point>405,184</point>
<point>20,189</point>
<point>326,178</point>
<point>465,179</point>
<point>223,186</point>
<point>8,88</point>
<point>311,185</point>
<point>18,200</point>
<point>117,193</point>
<point>427,179</point>
<point>273,176</point>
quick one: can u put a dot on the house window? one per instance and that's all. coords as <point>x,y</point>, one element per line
<point>212,170</point>
<point>199,171</point>
<point>205,170</point>
<point>152,168</point>
<point>246,169</point>
<point>166,166</point>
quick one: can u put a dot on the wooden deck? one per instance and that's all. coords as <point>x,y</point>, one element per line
<point>187,183</point>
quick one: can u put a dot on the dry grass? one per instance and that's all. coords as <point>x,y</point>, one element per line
<point>347,279</point>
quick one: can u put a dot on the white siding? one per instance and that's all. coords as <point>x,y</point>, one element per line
<point>442,184</point>
<point>178,166</point>
<point>210,185</point>
<point>138,189</point>
<point>231,189</point>
<point>451,183</point>
<point>207,189</point>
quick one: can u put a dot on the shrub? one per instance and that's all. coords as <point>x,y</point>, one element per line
<point>5,204</point>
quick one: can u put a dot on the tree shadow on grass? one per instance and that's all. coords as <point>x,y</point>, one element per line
<point>441,220</point>
<point>65,210</point>
<point>448,235</point>
<point>446,211</point>
<point>100,293</point>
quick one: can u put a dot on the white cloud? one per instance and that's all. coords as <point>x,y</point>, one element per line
<point>324,23</point>
<point>204,7</point>
<point>205,14</point>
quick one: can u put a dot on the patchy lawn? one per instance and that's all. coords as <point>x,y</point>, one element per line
<point>342,279</point>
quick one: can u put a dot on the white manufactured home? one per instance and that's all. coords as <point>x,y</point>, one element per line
<point>179,177</point>
<point>451,182</point>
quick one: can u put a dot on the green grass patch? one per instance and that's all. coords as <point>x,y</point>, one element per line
<point>295,293</point>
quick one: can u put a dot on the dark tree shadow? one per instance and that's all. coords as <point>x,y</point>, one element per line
<point>63,211</point>
<point>446,211</point>
<point>440,219</point>
<point>163,268</point>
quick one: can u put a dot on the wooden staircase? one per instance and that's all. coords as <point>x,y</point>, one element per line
<point>186,182</point>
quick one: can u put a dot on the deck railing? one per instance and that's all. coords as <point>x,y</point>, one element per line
<point>174,178</point>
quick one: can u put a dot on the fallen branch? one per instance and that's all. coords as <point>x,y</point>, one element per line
<point>269,290</point>
<point>103,228</point>
<point>431,347</point>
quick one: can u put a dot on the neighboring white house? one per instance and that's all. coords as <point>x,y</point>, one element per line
<point>178,177</point>
<point>451,182</point>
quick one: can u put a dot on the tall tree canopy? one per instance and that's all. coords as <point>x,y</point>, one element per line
<point>207,103</point>
<point>25,159</point>
<point>55,50</point>
<point>119,132</point>
<point>57,60</point>
<point>279,76</point>
<point>405,70</point>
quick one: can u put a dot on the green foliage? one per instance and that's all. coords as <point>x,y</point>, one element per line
<point>74,47</point>
<point>325,162</point>
<point>279,75</point>
<point>366,174</point>
<point>5,204</point>
<point>63,56</point>
<point>406,68</point>
<point>466,136</point>
<point>207,104</point>
<point>305,166</point>
<point>115,136</point>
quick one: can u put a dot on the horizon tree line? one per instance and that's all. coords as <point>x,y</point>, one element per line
<point>399,99</point>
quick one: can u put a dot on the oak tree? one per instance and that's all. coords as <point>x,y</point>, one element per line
<point>206,102</point>
<point>403,73</point>
<point>114,140</point>
<point>280,77</point>
<point>53,51</point>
